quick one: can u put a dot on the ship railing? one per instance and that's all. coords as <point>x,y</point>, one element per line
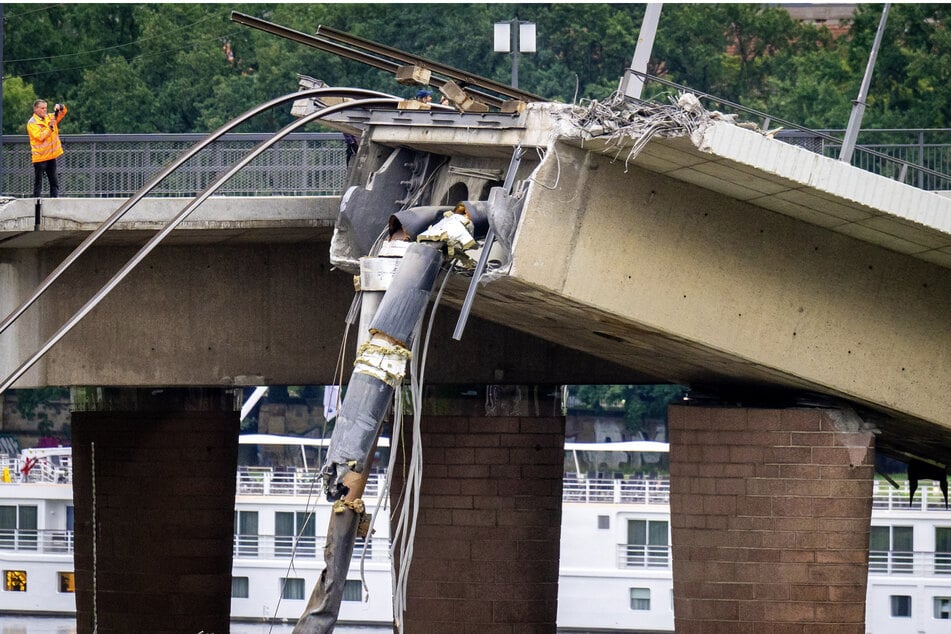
<point>928,497</point>
<point>296,481</point>
<point>616,490</point>
<point>913,564</point>
<point>304,547</point>
<point>643,556</point>
<point>37,541</point>
<point>43,472</point>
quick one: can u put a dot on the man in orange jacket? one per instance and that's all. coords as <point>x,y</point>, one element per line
<point>45,145</point>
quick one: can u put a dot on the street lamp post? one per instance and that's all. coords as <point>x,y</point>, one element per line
<point>520,40</point>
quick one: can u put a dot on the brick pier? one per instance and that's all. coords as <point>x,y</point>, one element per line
<point>487,540</point>
<point>770,513</point>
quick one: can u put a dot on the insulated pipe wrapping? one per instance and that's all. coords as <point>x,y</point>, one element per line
<point>358,420</point>
<point>416,220</point>
<point>478,212</point>
<point>405,300</point>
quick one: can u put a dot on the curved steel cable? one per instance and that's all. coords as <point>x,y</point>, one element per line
<point>174,222</point>
<point>152,184</point>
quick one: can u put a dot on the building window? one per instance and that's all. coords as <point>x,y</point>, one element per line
<point>353,590</point>
<point>901,605</point>
<point>246,533</point>
<point>942,608</point>
<point>640,598</point>
<point>239,588</point>
<point>292,589</point>
<point>604,522</point>
<point>67,581</point>
<point>891,549</point>
<point>299,526</point>
<point>647,545</point>
<point>14,580</point>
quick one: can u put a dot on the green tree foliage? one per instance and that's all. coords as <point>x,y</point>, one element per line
<point>640,403</point>
<point>189,68</point>
<point>18,97</point>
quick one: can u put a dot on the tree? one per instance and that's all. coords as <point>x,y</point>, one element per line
<point>188,67</point>
<point>640,403</point>
<point>18,98</point>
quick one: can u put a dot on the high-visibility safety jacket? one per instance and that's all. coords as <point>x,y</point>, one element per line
<point>44,136</point>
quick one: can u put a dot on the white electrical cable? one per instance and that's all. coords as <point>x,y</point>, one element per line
<point>405,532</point>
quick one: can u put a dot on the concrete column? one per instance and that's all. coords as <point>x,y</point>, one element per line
<point>154,482</point>
<point>487,540</point>
<point>770,513</point>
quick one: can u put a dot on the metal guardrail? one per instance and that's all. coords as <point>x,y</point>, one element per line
<point>295,481</point>
<point>117,165</point>
<point>928,497</point>
<point>56,542</point>
<point>306,547</point>
<point>314,164</point>
<point>905,157</point>
<point>914,564</point>
<point>616,491</point>
<point>640,556</point>
<point>920,158</point>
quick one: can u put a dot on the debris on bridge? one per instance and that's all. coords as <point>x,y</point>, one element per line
<point>629,125</point>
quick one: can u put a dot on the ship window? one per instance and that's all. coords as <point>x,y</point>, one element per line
<point>298,526</point>
<point>67,581</point>
<point>14,580</point>
<point>292,588</point>
<point>239,588</point>
<point>353,590</point>
<point>604,522</point>
<point>640,598</point>
<point>246,533</point>
<point>942,548</point>
<point>942,608</point>
<point>18,527</point>
<point>647,545</point>
<point>901,605</point>
<point>891,549</point>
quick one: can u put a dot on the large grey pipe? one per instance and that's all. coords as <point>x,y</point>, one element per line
<point>361,414</point>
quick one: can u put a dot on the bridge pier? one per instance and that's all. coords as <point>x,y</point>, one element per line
<point>153,486</point>
<point>770,514</point>
<point>487,540</point>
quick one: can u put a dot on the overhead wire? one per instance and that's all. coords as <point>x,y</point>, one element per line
<point>164,34</point>
<point>164,53</point>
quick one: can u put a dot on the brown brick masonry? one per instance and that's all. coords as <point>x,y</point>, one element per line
<point>770,513</point>
<point>487,541</point>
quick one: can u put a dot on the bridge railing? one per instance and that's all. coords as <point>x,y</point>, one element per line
<point>314,164</point>
<point>917,157</point>
<point>117,165</point>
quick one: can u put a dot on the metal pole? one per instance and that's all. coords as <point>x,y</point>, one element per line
<point>633,85</point>
<point>858,106</point>
<point>515,45</point>
<point>2,28</point>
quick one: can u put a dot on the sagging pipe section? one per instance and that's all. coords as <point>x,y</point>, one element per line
<point>379,368</point>
<point>437,233</point>
<point>380,365</point>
